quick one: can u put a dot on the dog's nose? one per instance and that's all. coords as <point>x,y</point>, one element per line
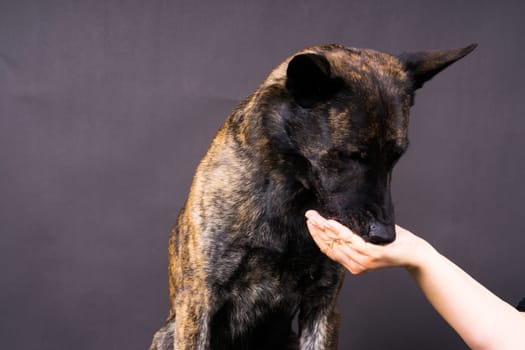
<point>379,233</point>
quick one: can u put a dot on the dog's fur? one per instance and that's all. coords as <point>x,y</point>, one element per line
<point>322,132</point>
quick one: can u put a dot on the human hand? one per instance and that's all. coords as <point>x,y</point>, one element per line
<point>350,250</point>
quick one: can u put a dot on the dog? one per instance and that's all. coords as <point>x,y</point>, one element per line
<point>322,132</point>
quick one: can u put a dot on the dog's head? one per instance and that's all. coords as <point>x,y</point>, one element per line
<point>341,119</point>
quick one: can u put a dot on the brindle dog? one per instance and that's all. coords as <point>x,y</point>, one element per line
<point>322,132</point>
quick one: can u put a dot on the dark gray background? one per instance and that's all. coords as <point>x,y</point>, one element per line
<point>107,106</point>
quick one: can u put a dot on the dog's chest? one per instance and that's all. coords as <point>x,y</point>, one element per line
<point>273,274</point>
<point>266,287</point>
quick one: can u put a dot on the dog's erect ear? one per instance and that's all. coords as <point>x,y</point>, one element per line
<point>422,66</point>
<point>308,78</point>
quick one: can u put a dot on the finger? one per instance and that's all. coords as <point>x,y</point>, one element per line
<point>331,228</point>
<point>344,232</point>
<point>355,268</point>
<point>339,251</point>
<point>309,213</point>
<point>316,219</point>
<point>319,238</point>
<point>320,230</point>
<point>315,230</point>
<point>344,255</point>
<point>326,244</point>
<point>336,241</point>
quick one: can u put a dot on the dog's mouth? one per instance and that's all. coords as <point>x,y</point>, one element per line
<point>369,228</point>
<point>353,223</point>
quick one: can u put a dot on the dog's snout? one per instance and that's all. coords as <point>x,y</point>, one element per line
<point>379,233</point>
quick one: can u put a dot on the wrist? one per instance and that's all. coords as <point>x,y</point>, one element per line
<point>421,255</point>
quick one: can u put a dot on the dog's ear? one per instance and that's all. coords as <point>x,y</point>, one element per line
<point>308,79</point>
<point>423,66</point>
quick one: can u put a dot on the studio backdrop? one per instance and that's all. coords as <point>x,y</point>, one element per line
<point>107,106</point>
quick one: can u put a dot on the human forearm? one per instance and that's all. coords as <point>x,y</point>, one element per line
<point>483,320</point>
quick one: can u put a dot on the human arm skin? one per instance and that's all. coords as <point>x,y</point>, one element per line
<point>483,320</point>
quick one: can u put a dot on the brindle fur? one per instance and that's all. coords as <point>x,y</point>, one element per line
<point>322,132</point>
